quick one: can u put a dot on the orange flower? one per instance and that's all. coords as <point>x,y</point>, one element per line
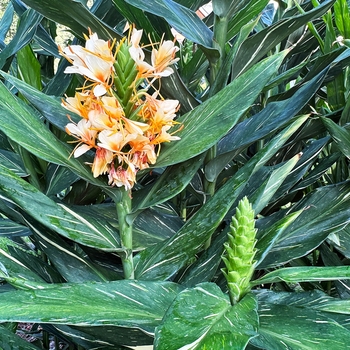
<point>85,135</point>
<point>81,103</point>
<point>125,134</point>
<point>95,62</point>
<point>103,159</point>
<point>163,58</point>
<point>122,177</point>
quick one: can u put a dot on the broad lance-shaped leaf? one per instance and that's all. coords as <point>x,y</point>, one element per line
<point>52,215</point>
<point>206,266</point>
<point>25,32</point>
<point>166,258</point>
<point>252,9</point>
<point>73,265</point>
<point>315,299</point>
<point>9,228</point>
<point>49,106</point>
<point>258,45</point>
<point>74,15</point>
<point>305,274</point>
<point>295,321</point>
<point>121,303</point>
<point>184,20</point>
<point>340,135</point>
<point>19,122</point>
<point>271,118</point>
<point>325,210</point>
<point>265,192</point>
<point>10,266</point>
<point>216,116</point>
<point>171,182</point>
<point>202,318</point>
<point>272,234</point>
<point>13,161</point>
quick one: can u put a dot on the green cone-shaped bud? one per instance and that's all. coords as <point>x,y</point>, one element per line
<point>125,79</point>
<point>240,251</point>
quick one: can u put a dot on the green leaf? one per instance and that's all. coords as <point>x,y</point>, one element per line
<point>317,171</point>
<point>155,225</point>
<point>8,228</point>
<point>153,27</point>
<point>326,210</point>
<point>221,7</point>
<point>272,234</point>
<point>10,266</point>
<point>19,122</point>
<point>266,191</point>
<point>340,135</point>
<point>305,274</point>
<point>174,87</point>
<point>202,318</point>
<point>49,106</point>
<point>5,22</point>
<point>24,33</point>
<point>28,67</point>
<point>11,341</point>
<point>342,18</point>
<point>58,217</point>
<point>192,4</point>
<point>258,45</point>
<point>105,337</point>
<point>216,116</point>
<point>309,156</point>
<point>58,179</point>
<point>151,226</point>
<point>72,263</point>
<point>225,69</point>
<point>270,119</point>
<point>171,182</point>
<point>184,20</point>
<point>205,267</point>
<point>120,303</point>
<point>13,162</point>
<point>288,322</point>
<point>314,299</point>
<point>244,16</point>
<point>35,263</point>
<point>73,15</point>
<point>167,258</point>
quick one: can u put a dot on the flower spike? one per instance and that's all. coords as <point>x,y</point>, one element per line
<point>121,122</point>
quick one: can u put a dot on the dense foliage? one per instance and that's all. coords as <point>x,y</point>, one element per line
<point>161,255</point>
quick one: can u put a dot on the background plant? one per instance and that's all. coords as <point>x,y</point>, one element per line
<point>263,89</point>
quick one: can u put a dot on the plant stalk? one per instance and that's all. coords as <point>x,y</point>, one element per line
<point>125,231</point>
<point>219,42</point>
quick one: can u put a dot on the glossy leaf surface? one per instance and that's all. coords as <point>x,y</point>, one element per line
<point>123,303</point>
<point>203,317</point>
<point>58,217</point>
<point>216,116</point>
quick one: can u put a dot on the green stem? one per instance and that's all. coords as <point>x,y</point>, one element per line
<point>219,42</point>
<point>125,231</point>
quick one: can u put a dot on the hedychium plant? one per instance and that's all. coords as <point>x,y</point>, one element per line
<point>184,192</point>
<point>121,121</point>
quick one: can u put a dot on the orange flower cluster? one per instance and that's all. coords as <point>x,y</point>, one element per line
<point>125,132</point>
